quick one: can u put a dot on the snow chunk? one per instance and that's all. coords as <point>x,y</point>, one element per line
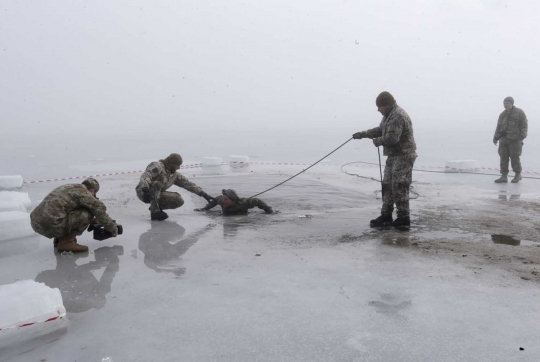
<point>14,224</point>
<point>15,197</point>
<point>11,182</point>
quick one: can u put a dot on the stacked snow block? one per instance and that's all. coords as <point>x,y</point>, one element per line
<point>461,166</point>
<point>212,165</point>
<point>14,218</point>
<point>239,163</point>
<point>28,310</point>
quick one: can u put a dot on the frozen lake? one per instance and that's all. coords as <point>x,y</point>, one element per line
<point>203,287</point>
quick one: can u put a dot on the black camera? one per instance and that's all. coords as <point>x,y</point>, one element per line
<point>101,234</point>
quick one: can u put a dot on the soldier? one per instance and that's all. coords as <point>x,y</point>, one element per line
<point>232,204</point>
<point>510,132</point>
<point>160,176</point>
<point>67,211</point>
<point>395,134</point>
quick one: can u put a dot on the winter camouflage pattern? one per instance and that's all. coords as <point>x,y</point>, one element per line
<point>158,179</point>
<point>241,207</point>
<point>68,210</point>
<point>396,184</point>
<point>395,133</point>
<point>512,124</point>
<point>511,130</point>
<point>510,150</point>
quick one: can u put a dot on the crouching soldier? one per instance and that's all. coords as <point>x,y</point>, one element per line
<point>157,179</point>
<point>67,211</point>
<point>231,204</point>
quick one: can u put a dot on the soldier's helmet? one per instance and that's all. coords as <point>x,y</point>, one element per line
<point>230,193</point>
<point>91,184</point>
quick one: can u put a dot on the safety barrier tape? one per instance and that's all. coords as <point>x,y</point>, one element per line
<point>32,323</point>
<point>246,164</point>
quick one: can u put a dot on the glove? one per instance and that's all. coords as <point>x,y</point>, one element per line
<point>378,141</point>
<point>495,141</point>
<point>207,197</point>
<point>269,210</point>
<point>357,136</point>
<point>147,197</point>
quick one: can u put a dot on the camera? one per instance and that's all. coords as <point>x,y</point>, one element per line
<point>100,233</point>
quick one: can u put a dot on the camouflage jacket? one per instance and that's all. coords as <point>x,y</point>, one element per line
<point>51,217</point>
<point>241,207</point>
<point>156,171</point>
<point>512,124</point>
<point>395,133</point>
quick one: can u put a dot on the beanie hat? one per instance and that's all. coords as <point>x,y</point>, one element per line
<point>385,99</point>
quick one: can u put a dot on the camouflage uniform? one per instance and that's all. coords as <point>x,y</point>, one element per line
<point>510,132</point>
<point>68,210</point>
<point>241,206</point>
<point>395,134</point>
<point>158,178</point>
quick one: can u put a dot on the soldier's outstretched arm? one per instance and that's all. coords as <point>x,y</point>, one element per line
<point>209,206</point>
<point>254,202</point>
<point>370,133</point>
<point>98,209</point>
<point>183,182</point>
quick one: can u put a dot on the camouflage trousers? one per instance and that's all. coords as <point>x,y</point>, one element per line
<point>510,150</point>
<point>75,223</point>
<point>161,200</point>
<point>396,184</point>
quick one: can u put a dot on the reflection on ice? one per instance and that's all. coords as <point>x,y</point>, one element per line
<point>80,289</point>
<point>505,239</point>
<point>164,243</point>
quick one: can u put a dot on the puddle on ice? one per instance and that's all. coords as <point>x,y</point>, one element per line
<point>510,240</point>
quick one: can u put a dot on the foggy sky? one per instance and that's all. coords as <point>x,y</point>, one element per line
<point>194,68</point>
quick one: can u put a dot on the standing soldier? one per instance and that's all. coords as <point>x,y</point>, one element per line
<point>157,179</point>
<point>510,132</point>
<point>67,211</point>
<point>395,134</point>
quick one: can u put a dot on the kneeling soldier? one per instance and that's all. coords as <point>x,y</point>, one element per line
<point>157,179</point>
<point>67,211</point>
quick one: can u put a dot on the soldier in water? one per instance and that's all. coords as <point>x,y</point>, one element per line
<point>232,204</point>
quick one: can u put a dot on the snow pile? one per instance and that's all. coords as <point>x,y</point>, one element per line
<point>14,201</point>
<point>239,163</point>
<point>212,165</point>
<point>14,224</point>
<point>461,166</point>
<point>11,182</point>
<point>27,301</point>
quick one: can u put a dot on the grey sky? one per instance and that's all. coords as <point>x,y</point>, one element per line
<point>207,65</point>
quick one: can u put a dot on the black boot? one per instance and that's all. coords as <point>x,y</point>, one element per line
<point>159,216</point>
<point>402,223</point>
<point>381,221</point>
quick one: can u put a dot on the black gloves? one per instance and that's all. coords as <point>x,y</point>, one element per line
<point>146,196</point>
<point>357,136</point>
<point>207,197</point>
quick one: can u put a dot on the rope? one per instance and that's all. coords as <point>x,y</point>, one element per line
<point>415,169</point>
<point>304,170</point>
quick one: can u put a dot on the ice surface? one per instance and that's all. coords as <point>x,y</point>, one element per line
<point>14,224</point>
<point>461,166</point>
<point>16,197</point>
<point>11,182</point>
<point>27,301</point>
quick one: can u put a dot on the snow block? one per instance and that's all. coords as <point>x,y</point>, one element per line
<point>239,163</point>
<point>15,197</point>
<point>11,182</point>
<point>14,224</point>
<point>27,301</point>
<point>461,166</point>
<point>12,206</point>
<point>212,165</point>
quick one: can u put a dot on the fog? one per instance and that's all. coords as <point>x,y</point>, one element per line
<point>282,80</point>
